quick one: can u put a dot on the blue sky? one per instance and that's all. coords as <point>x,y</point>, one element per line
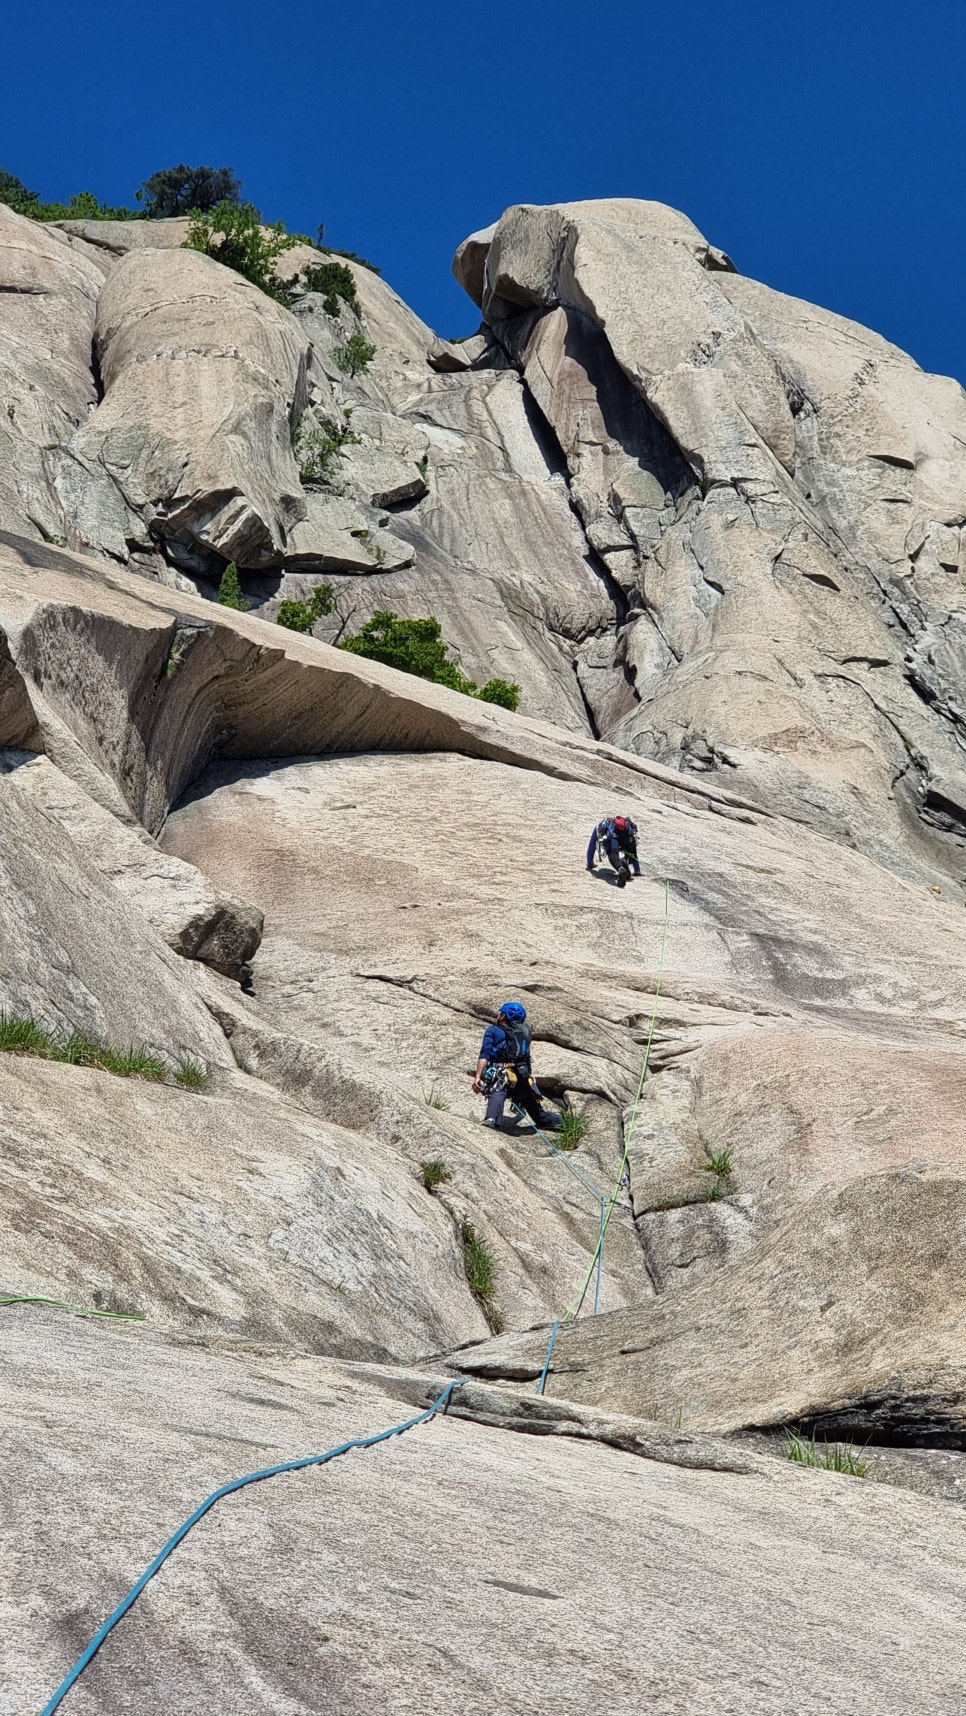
<point>821,144</point>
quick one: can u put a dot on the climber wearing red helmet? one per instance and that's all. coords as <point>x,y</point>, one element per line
<point>616,837</point>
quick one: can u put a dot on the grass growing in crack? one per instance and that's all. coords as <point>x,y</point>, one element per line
<point>720,1165</point>
<point>827,1456</point>
<point>191,1074</point>
<point>21,1035</point>
<point>480,1266</point>
<point>434,1172</point>
<point>434,1097</point>
<point>573,1129</point>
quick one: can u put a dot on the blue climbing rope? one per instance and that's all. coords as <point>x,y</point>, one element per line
<point>209,1502</point>
<point>546,1363</point>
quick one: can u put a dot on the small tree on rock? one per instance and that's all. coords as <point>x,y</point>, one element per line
<point>230,593</point>
<point>301,616</point>
<point>188,190</point>
<point>233,234</point>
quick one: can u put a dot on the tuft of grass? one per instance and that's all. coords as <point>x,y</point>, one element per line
<point>434,1172</point>
<point>827,1456</point>
<point>21,1035</point>
<point>434,1097</point>
<point>480,1266</point>
<point>191,1074</point>
<point>720,1165</point>
<point>573,1129</point>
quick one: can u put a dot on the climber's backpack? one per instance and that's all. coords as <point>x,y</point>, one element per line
<point>517,1051</point>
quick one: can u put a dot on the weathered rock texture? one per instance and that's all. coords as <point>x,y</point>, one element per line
<point>723,530</point>
<point>485,1570</point>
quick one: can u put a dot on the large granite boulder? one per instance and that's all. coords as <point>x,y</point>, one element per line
<point>204,377</point>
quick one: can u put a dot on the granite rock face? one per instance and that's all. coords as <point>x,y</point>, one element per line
<point>719,528</point>
<point>455,1556</point>
<point>727,448</point>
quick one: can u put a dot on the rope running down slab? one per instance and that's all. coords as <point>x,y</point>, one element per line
<point>438,1405</point>
<point>596,1262</point>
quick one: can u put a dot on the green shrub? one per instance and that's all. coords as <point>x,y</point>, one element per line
<point>13,190</point>
<point>317,446</point>
<point>232,233</point>
<point>83,206</point>
<point>480,1266</point>
<point>21,1035</point>
<point>355,356</point>
<point>335,281</point>
<point>187,190</point>
<point>502,692</point>
<point>301,616</point>
<point>230,593</point>
<point>434,1173</point>
<point>416,646</point>
<point>350,256</point>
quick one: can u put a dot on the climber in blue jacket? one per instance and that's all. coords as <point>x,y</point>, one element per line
<point>503,1071</point>
<point>617,837</point>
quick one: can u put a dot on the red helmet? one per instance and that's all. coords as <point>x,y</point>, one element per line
<point>620,822</point>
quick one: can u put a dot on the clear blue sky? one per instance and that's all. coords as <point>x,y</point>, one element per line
<point>821,144</point>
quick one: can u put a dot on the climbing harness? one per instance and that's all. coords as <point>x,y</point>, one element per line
<point>438,1405</point>
<point>597,1261</point>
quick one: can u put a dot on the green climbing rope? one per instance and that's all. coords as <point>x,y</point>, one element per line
<point>578,1299</point>
<point>79,1310</point>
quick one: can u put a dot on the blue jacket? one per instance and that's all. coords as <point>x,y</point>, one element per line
<point>606,832</point>
<point>497,1046</point>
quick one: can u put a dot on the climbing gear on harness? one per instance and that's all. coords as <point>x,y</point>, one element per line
<point>497,1076</point>
<point>438,1405</point>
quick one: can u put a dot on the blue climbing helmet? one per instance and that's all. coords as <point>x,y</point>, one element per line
<point>514,1012</point>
